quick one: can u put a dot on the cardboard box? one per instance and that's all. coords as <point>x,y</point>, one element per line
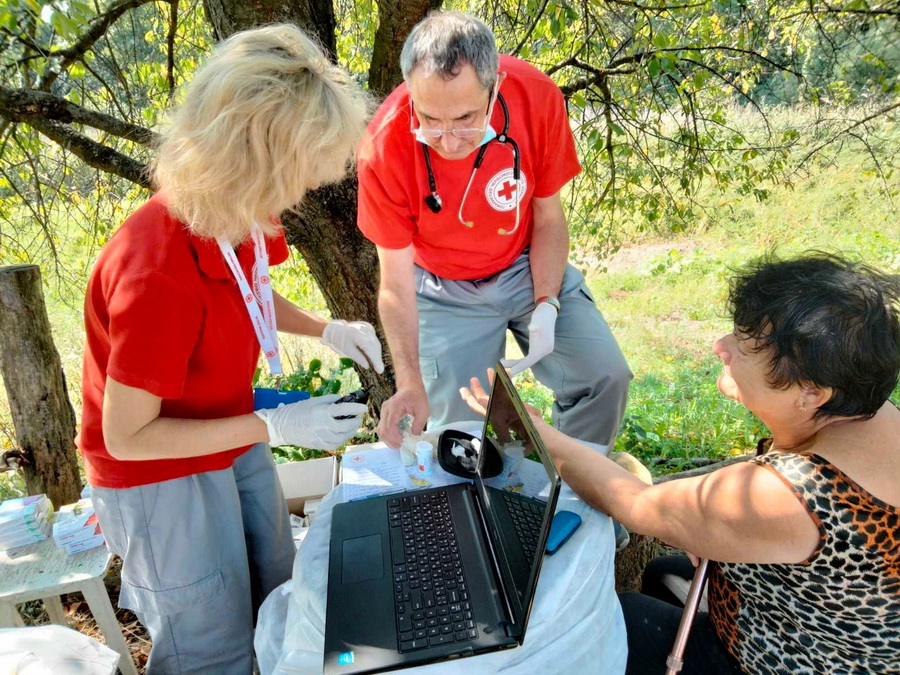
<point>306,481</point>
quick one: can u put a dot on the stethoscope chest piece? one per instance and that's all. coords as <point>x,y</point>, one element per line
<point>434,203</point>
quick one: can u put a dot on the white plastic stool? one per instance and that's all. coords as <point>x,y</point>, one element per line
<point>44,572</point>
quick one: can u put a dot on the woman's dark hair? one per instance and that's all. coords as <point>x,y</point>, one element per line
<point>826,321</point>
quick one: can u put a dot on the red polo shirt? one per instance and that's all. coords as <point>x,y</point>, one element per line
<point>164,314</point>
<point>393,180</point>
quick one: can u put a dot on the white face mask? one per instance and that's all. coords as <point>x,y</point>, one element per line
<point>489,135</point>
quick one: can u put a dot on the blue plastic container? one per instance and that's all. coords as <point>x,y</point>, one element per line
<point>272,398</point>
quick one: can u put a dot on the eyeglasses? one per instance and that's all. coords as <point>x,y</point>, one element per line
<point>462,134</point>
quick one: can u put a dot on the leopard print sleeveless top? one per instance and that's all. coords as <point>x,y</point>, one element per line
<point>837,612</point>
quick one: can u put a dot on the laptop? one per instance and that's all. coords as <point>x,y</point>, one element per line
<point>442,573</point>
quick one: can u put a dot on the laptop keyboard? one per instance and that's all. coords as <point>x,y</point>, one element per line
<point>527,519</point>
<point>430,592</point>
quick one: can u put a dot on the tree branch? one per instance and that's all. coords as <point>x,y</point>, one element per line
<point>640,57</point>
<point>31,106</point>
<point>654,8</point>
<point>537,17</point>
<point>170,47</point>
<point>618,66</point>
<point>826,143</point>
<point>89,151</point>
<point>703,470</point>
<point>599,75</point>
<point>94,32</point>
<point>827,9</point>
<point>610,186</point>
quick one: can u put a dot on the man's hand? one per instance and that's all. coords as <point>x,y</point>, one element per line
<point>356,340</point>
<point>541,338</point>
<point>407,401</point>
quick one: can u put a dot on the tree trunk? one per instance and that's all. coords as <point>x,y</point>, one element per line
<point>36,387</point>
<point>631,561</point>
<point>314,16</point>
<point>395,19</point>
<point>343,263</point>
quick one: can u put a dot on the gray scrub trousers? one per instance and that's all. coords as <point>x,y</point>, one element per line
<point>462,332</point>
<point>200,555</point>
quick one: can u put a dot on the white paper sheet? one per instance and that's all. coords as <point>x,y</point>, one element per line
<point>371,472</point>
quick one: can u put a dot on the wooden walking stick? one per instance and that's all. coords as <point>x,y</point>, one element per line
<point>675,660</point>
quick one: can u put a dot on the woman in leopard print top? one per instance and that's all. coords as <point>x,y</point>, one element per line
<point>807,535</point>
<point>836,611</point>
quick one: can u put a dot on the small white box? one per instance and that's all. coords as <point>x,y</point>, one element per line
<point>84,544</point>
<point>306,481</point>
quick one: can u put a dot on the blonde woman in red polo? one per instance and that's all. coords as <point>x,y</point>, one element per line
<point>177,308</point>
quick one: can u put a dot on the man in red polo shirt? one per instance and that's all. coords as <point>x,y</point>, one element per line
<point>459,182</point>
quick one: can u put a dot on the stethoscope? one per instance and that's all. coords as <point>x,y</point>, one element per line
<point>433,201</point>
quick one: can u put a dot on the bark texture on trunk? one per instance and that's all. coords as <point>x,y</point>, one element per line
<point>314,16</point>
<point>395,19</point>
<point>344,265</point>
<point>631,561</point>
<point>36,387</point>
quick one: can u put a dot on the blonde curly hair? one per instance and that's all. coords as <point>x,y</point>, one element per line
<point>265,118</point>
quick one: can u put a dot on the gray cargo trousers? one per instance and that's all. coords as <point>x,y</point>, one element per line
<point>462,332</point>
<point>200,554</point>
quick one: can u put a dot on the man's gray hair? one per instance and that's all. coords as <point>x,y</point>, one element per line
<point>441,43</point>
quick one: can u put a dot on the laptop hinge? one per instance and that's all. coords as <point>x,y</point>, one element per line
<point>509,626</point>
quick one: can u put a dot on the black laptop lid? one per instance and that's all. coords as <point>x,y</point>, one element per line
<point>507,424</point>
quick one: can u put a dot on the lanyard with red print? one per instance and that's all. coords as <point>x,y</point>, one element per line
<point>263,320</point>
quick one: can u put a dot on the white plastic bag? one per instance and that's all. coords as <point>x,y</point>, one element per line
<point>38,650</point>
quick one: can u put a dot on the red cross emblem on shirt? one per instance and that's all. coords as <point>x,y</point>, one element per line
<point>503,192</point>
<point>508,190</point>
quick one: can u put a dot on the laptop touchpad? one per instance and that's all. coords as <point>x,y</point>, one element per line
<point>362,559</point>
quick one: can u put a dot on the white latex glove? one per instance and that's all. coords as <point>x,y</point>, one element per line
<point>312,423</point>
<point>541,337</point>
<point>355,340</point>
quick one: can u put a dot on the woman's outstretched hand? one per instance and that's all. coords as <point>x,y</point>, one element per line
<point>476,397</point>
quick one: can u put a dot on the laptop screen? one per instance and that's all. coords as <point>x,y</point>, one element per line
<point>520,501</point>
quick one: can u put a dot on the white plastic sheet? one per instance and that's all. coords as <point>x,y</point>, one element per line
<point>38,650</point>
<point>576,624</point>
